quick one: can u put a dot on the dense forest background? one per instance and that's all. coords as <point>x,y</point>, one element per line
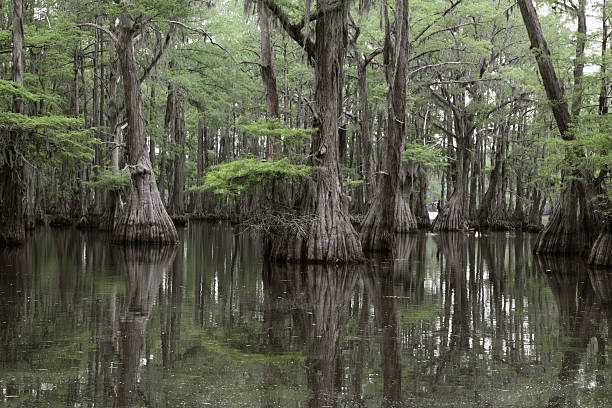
<point>329,126</point>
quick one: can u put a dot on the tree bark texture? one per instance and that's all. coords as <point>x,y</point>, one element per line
<point>551,82</point>
<point>327,235</point>
<point>144,218</point>
<point>366,137</point>
<point>112,205</point>
<point>390,211</point>
<point>12,231</point>
<point>482,217</point>
<point>601,251</point>
<point>453,215</point>
<point>572,226</point>
<point>268,77</point>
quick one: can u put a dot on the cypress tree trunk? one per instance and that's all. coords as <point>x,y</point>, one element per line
<point>390,211</point>
<point>31,173</point>
<point>144,218</point>
<point>177,201</point>
<point>197,208</point>
<point>98,193</point>
<point>482,216</point>
<point>601,252</point>
<point>366,137</point>
<point>112,205</point>
<point>328,235</point>
<point>572,227</point>
<point>268,77</point>
<point>12,231</point>
<point>453,215</point>
<point>420,208</point>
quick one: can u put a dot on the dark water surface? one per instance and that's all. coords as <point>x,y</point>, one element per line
<point>453,321</point>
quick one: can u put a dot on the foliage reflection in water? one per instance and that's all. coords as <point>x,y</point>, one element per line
<point>448,320</point>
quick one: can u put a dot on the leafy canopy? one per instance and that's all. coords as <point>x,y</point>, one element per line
<point>239,176</point>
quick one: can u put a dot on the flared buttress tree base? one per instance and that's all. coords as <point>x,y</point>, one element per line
<point>377,232</point>
<point>326,237</point>
<point>451,217</point>
<point>12,231</point>
<point>322,243</point>
<point>572,227</point>
<point>601,252</point>
<point>144,218</point>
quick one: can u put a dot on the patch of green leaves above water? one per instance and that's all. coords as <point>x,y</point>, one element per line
<point>239,176</point>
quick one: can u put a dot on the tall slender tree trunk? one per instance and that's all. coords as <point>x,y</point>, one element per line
<point>112,205</point>
<point>390,211</point>
<point>144,218</point>
<point>31,175</point>
<point>98,193</point>
<point>12,231</point>
<point>197,208</point>
<point>177,201</point>
<point>366,136</point>
<point>328,234</point>
<point>268,77</point>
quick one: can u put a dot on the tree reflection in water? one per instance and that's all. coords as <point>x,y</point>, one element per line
<point>447,320</point>
<point>143,268</point>
<point>579,311</point>
<point>320,296</point>
<point>385,281</point>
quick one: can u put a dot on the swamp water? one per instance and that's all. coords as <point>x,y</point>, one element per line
<point>453,321</point>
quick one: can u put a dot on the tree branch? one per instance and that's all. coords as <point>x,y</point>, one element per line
<point>157,57</point>
<point>293,30</point>
<point>444,13</point>
<point>411,73</point>
<point>203,34</point>
<point>112,36</point>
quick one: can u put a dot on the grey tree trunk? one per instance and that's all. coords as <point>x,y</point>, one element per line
<point>144,218</point>
<point>572,227</point>
<point>12,231</point>
<point>390,212</point>
<point>197,208</point>
<point>268,77</point>
<point>328,234</point>
<point>112,205</point>
<point>177,201</point>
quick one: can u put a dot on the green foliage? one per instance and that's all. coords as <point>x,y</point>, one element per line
<point>12,89</point>
<point>424,155</point>
<point>273,127</point>
<point>235,178</point>
<point>110,180</point>
<point>16,121</point>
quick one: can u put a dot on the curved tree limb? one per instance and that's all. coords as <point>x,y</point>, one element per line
<point>112,36</point>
